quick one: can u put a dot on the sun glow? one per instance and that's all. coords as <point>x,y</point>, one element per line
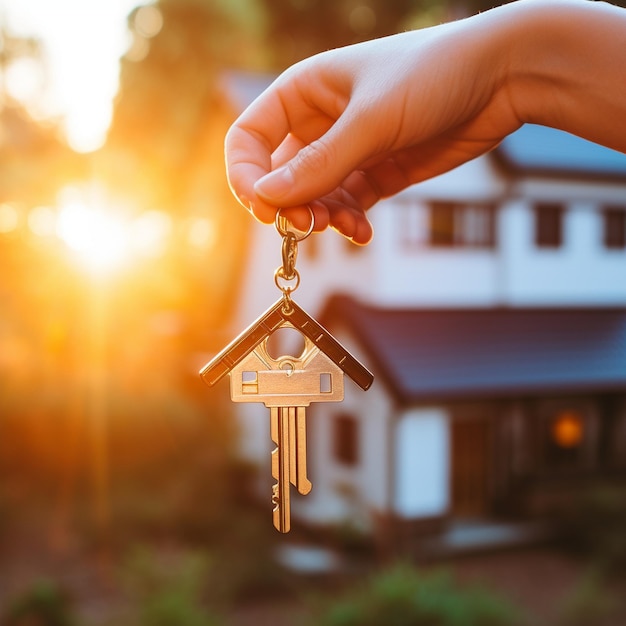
<point>82,43</point>
<point>98,237</point>
<point>106,235</point>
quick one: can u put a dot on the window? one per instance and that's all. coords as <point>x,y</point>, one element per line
<point>461,225</point>
<point>412,224</point>
<point>346,439</point>
<point>442,223</point>
<point>548,225</point>
<point>567,442</point>
<point>614,227</point>
<point>578,435</point>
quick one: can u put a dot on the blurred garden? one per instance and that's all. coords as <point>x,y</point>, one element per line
<point>121,500</point>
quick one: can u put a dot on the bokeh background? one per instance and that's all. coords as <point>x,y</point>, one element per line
<point>121,498</point>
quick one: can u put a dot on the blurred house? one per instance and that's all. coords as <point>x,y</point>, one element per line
<point>491,306</point>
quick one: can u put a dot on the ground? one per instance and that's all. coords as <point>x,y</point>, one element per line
<point>542,580</point>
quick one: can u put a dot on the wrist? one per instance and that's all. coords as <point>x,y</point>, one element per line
<point>562,62</point>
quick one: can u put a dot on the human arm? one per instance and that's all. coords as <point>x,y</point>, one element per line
<point>346,127</point>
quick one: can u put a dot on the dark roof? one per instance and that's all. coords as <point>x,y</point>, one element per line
<point>539,150</point>
<point>427,354</point>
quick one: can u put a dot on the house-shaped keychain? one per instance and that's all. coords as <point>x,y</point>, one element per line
<point>315,376</point>
<point>286,384</point>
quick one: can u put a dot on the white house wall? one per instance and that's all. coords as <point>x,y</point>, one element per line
<point>422,462</point>
<point>419,275</point>
<point>253,421</point>
<point>423,276</point>
<point>349,494</point>
<point>581,271</point>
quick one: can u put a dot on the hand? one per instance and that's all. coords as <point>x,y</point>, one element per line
<point>347,127</point>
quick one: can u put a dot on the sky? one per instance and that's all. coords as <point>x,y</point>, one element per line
<point>83,41</point>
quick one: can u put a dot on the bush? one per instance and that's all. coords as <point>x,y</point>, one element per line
<point>45,604</point>
<point>401,596</point>
<point>595,527</point>
<point>166,592</point>
<point>590,602</point>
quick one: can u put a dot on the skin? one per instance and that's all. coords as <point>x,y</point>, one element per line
<point>339,131</point>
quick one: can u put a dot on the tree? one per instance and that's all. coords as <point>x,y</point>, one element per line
<point>34,161</point>
<point>167,93</point>
<point>299,28</point>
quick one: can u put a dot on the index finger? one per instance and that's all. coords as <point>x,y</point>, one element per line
<point>249,145</point>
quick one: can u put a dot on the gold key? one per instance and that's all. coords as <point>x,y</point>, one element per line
<point>286,384</point>
<point>288,432</point>
<point>281,468</point>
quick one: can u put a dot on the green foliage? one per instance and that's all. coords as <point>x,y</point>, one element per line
<point>164,592</point>
<point>245,562</point>
<point>594,527</point>
<point>401,596</point>
<point>44,604</point>
<point>589,602</point>
<point>299,28</point>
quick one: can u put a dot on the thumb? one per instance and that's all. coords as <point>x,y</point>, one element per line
<point>316,170</point>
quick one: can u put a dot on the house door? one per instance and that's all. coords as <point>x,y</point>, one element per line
<point>471,467</point>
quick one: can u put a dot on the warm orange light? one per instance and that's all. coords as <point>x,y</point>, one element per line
<point>42,221</point>
<point>9,218</point>
<point>103,232</point>
<point>77,76</point>
<point>568,430</point>
<point>99,238</point>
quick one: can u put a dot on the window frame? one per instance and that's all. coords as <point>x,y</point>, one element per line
<point>614,227</point>
<point>549,236</point>
<point>346,439</point>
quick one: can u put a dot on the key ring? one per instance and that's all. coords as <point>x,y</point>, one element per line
<point>280,222</point>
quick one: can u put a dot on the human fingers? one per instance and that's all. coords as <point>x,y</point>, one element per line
<point>248,148</point>
<point>320,165</point>
<point>295,106</point>
<point>349,221</point>
<point>344,210</point>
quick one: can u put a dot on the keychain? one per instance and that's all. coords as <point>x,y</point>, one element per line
<point>287,384</point>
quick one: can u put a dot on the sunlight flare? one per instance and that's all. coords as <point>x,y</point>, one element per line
<point>100,238</point>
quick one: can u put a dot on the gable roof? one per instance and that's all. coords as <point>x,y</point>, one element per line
<point>264,326</point>
<point>434,354</point>
<point>542,151</point>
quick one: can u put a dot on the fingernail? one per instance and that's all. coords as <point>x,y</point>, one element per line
<point>276,184</point>
<point>246,203</point>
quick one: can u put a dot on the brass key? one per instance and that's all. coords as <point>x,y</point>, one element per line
<point>281,468</point>
<point>288,432</point>
<point>286,385</point>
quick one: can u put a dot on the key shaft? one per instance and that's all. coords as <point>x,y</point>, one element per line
<point>281,514</point>
<point>289,464</point>
<point>301,480</point>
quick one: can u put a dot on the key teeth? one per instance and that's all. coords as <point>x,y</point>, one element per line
<point>281,524</point>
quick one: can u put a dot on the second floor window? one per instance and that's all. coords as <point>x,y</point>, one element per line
<point>614,227</point>
<point>548,225</point>
<point>461,225</point>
